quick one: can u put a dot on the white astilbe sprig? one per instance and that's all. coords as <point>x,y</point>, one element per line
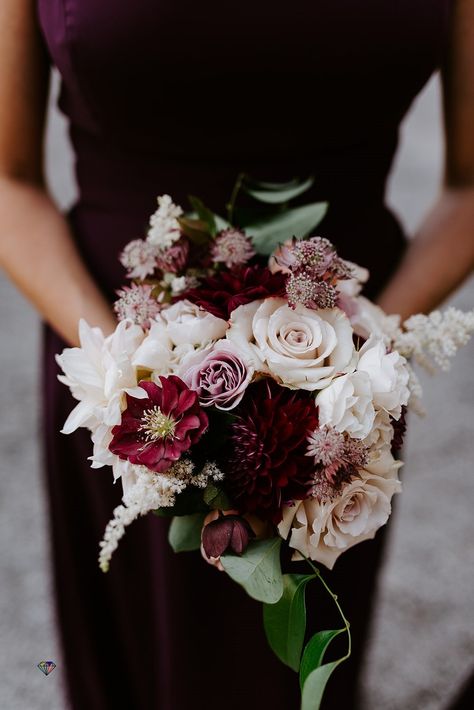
<point>151,491</point>
<point>433,340</point>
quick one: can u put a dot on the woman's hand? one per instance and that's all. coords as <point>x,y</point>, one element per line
<point>441,255</point>
<point>36,247</point>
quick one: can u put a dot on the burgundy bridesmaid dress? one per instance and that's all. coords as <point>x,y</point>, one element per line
<point>178,96</point>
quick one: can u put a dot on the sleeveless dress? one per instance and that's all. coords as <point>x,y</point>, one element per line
<point>179,96</point>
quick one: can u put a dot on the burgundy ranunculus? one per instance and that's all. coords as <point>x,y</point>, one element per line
<point>267,462</point>
<point>229,532</point>
<point>224,292</point>
<point>155,431</point>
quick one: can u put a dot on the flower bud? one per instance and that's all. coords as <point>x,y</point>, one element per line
<point>230,532</point>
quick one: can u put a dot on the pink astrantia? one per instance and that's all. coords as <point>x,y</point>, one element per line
<point>137,304</point>
<point>337,458</point>
<point>156,431</point>
<point>233,248</point>
<point>173,259</point>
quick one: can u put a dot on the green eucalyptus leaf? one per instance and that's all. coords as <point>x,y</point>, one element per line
<point>279,196</point>
<point>221,223</point>
<point>285,621</point>
<point>204,214</point>
<point>258,569</point>
<point>313,689</point>
<point>314,651</point>
<point>268,233</point>
<point>185,532</point>
<point>269,186</point>
<point>216,498</point>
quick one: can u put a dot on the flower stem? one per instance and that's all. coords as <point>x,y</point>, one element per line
<point>335,599</point>
<point>233,197</point>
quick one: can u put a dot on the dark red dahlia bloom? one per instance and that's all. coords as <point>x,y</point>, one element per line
<point>399,431</point>
<point>155,431</point>
<point>268,463</point>
<point>222,293</point>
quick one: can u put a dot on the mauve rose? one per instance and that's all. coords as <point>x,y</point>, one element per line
<point>219,375</point>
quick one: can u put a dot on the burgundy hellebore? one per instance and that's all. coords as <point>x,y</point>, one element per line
<point>229,532</point>
<point>155,431</point>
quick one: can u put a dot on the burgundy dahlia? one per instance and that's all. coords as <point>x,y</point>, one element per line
<point>268,463</point>
<point>399,431</point>
<point>155,431</point>
<point>222,293</point>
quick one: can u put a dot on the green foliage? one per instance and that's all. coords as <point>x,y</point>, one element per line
<point>285,621</point>
<point>315,686</point>
<point>216,498</point>
<point>274,193</point>
<point>204,214</point>
<point>185,532</point>
<point>258,569</point>
<point>267,233</point>
<point>314,651</point>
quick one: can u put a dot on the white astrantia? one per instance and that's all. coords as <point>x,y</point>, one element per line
<point>144,491</point>
<point>303,348</point>
<point>323,531</point>
<point>388,375</point>
<point>346,404</point>
<point>139,258</point>
<point>164,227</point>
<point>99,373</point>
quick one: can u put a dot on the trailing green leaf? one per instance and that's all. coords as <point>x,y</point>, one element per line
<point>278,196</point>
<point>204,214</point>
<point>285,621</point>
<point>268,186</point>
<point>196,230</point>
<point>315,685</point>
<point>314,651</point>
<point>185,532</point>
<point>298,222</point>
<point>258,569</point>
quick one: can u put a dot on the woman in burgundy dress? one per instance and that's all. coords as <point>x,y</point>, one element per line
<point>177,96</point>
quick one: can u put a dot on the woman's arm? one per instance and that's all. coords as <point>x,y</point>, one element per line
<point>36,248</point>
<point>441,255</point>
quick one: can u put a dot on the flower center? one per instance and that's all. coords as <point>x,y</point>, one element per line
<point>156,425</point>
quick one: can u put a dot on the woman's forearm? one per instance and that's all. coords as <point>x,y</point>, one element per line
<point>39,255</point>
<point>438,259</point>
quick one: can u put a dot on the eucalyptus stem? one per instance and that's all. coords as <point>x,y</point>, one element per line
<point>336,601</point>
<point>233,197</point>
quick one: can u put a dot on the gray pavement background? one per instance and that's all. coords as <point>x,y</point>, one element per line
<point>423,643</point>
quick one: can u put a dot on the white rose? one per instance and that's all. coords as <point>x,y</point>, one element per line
<point>382,462</point>
<point>381,434</point>
<point>368,319</point>
<point>187,323</point>
<point>240,333</point>
<point>353,286</point>
<point>303,347</point>
<point>323,531</point>
<point>388,374</point>
<point>346,404</point>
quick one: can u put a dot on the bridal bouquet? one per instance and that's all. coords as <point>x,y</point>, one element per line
<point>251,393</point>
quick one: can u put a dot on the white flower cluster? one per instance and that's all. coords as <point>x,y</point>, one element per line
<point>164,226</point>
<point>435,339</point>
<point>145,491</point>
